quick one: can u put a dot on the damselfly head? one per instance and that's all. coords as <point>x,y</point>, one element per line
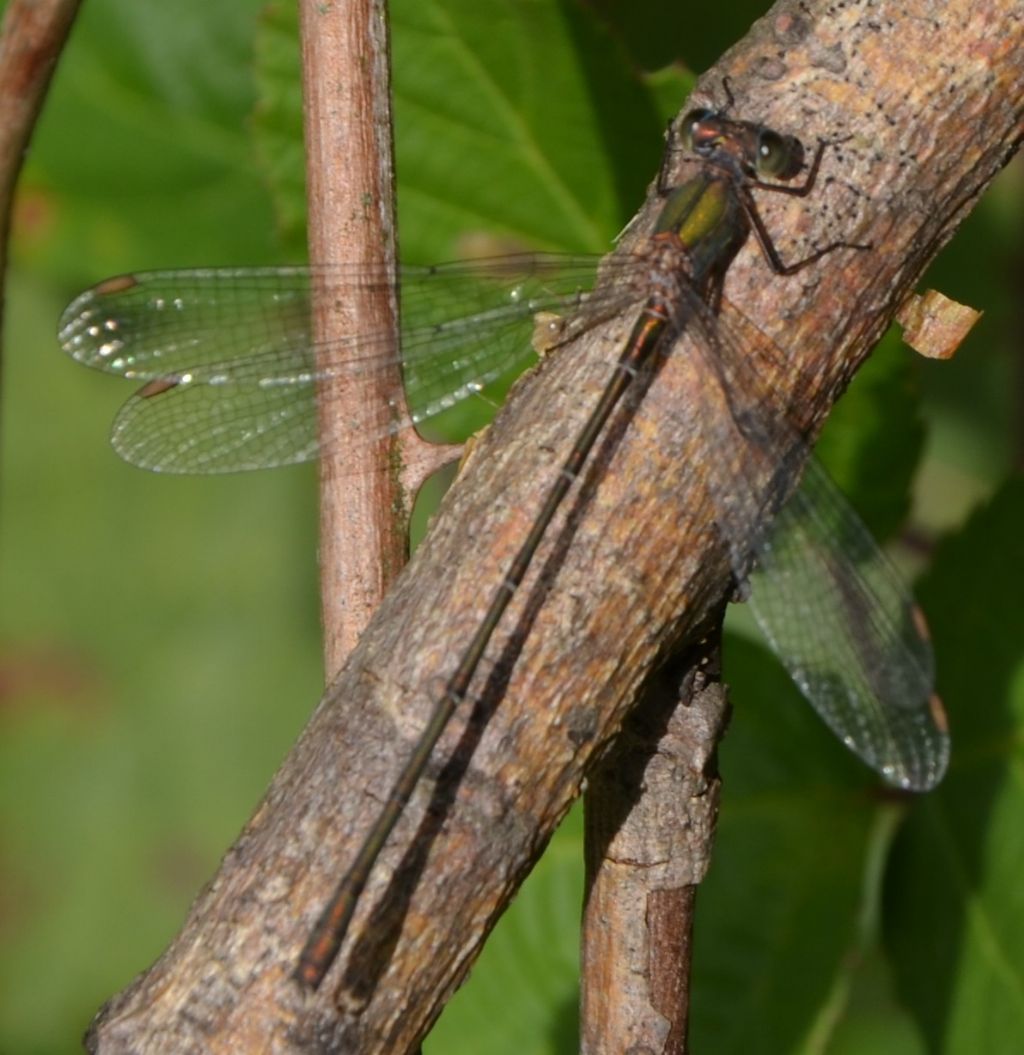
<point>760,152</point>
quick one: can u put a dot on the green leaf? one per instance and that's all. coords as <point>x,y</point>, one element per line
<point>671,86</point>
<point>778,911</point>
<point>521,997</point>
<point>656,33</point>
<point>955,902</point>
<point>143,155</point>
<point>873,440</point>
<point>277,121</point>
<point>517,123</point>
<point>872,1022</point>
<point>136,730</point>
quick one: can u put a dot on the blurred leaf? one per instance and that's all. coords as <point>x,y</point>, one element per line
<point>670,86</point>
<point>521,997</point>
<point>873,439</point>
<point>136,731</point>
<point>277,121</point>
<point>778,911</point>
<point>656,34</point>
<point>955,904</point>
<point>873,1022</point>
<point>977,431</point>
<point>142,155</point>
<point>486,147</point>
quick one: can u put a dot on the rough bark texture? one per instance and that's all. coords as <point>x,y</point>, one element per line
<point>651,808</point>
<point>932,95</point>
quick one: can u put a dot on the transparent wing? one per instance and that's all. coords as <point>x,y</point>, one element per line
<point>831,605</point>
<point>837,615</point>
<point>231,382</point>
<point>232,373</point>
<point>757,451</point>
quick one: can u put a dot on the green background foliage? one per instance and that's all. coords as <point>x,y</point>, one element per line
<point>158,636</point>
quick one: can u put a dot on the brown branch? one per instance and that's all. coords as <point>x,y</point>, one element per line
<point>651,807</point>
<point>633,569</point>
<point>350,188</point>
<point>31,38</point>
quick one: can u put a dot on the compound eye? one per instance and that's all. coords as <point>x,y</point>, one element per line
<point>778,157</point>
<point>692,125</point>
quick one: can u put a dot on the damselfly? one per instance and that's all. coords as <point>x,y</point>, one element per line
<point>231,379</point>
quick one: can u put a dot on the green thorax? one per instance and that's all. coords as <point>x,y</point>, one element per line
<point>707,217</point>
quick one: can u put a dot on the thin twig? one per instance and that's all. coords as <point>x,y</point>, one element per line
<point>31,39</point>
<point>350,190</point>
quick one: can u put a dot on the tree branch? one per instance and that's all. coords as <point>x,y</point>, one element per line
<point>631,571</point>
<point>350,189</point>
<point>32,36</point>
<point>651,808</point>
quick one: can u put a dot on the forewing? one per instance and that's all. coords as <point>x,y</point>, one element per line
<point>232,373</point>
